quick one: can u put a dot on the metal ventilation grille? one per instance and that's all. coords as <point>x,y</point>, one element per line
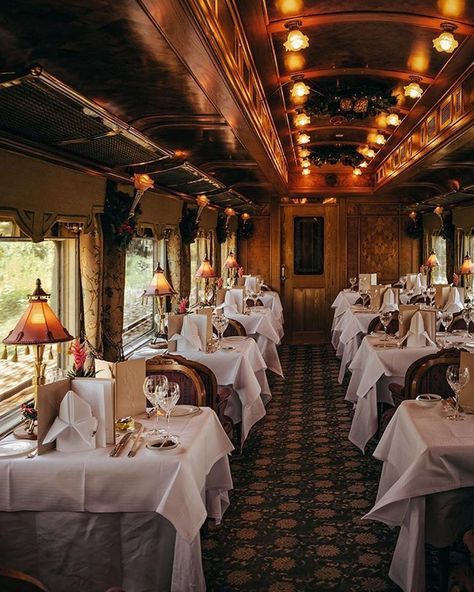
<point>39,108</point>
<point>187,179</point>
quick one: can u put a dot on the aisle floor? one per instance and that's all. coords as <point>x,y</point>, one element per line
<point>301,488</point>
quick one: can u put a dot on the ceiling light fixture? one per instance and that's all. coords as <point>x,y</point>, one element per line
<point>380,139</point>
<point>363,165</point>
<point>413,90</point>
<point>305,163</point>
<point>299,88</point>
<point>306,172</point>
<point>304,152</point>
<point>296,39</point>
<point>370,153</point>
<point>446,41</point>
<point>302,119</point>
<point>357,172</point>
<point>303,138</point>
<point>392,119</point>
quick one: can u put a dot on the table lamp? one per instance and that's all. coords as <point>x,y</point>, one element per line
<point>159,288</point>
<point>231,264</point>
<point>431,262</point>
<point>205,272</point>
<point>38,327</point>
<point>466,271</point>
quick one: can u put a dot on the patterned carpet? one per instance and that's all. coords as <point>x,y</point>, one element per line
<point>294,524</point>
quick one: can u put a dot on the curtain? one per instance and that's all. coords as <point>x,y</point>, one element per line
<point>91,272</point>
<point>173,261</point>
<point>459,247</point>
<point>185,270</point>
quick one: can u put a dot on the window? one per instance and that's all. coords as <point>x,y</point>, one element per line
<point>438,245</point>
<point>138,312</point>
<point>309,245</point>
<point>21,262</point>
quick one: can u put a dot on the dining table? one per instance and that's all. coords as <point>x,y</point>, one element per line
<point>344,299</point>
<point>238,364</point>
<point>272,300</point>
<point>351,326</point>
<point>262,324</point>
<point>86,521</point>
<point>427,485</point>
<point>376,364</point>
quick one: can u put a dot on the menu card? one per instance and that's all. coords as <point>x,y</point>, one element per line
<point>376,293</point>
<point>466,396</point>
<point>442,295</point>
<point>366,280</point>
<point>205,331</point>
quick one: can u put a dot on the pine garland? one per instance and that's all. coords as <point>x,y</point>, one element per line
<point>346,155</point>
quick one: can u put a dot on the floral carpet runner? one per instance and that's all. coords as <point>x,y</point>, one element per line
<point>294,524</point>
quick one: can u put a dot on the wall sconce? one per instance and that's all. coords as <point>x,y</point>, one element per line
<point>446,41</point>
<point>413,215</point>
<point>245,217</point>
<point>202,201</point>
<point>439,211</point>
<point>229,212</point>
<point>142,182</point>
<point>296,40</point>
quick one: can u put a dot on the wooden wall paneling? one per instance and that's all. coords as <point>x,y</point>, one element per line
<point>379,246</point>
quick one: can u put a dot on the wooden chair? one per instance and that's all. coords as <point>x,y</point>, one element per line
<point>216,396</point>
<point>425,375</point>
<point>419,299</point>
<point>17,581</point>
<point>191,387</point>
<point>376,325</point>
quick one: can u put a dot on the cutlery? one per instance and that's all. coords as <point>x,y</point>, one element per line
<point>136,443</point>
<point>33,453</point>
<point>121,445</point>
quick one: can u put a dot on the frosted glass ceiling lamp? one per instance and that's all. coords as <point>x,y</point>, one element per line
<point>299,89</point>
<point>306,172</point>
<point>296,40</point>
<point>380,139</point>
<point>302,119</point>
<point>357,172</point>
<point>305,163</point>
<point>303,139</point>
<point>392,119</point>
<point>413,90</point>
<point>446,41</point>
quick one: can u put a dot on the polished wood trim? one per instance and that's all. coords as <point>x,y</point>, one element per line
<point>228,164</point>
<point>372,16</point>
<point>315,73</point>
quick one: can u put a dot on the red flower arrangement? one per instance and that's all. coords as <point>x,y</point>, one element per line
<point>80,353</point>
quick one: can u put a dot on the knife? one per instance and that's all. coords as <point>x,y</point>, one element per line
<point>121,445</point>
<point>136,443</point>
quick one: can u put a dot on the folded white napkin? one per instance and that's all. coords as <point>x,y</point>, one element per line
<point>188,339</point>
<point>74,429</point>
<point>389,300</point>
<point>235,298</point>
<point>251,283</point>
<point>454,303</point>
<point>417,335</point>
<point>414,282</point>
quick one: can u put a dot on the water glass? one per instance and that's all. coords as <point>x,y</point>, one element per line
<point>385,318</point>
<point>167,401</point>
<point>466,316</point>
<point>152,387</point>
<point>457,378</point>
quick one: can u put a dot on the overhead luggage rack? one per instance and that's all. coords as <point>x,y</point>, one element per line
<point>38,107</point>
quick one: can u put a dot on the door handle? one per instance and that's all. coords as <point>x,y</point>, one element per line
<point>283,273</point>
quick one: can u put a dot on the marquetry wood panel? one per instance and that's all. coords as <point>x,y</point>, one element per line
<point>379,245</point>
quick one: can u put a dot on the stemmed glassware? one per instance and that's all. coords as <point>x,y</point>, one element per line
<point>364,294</point>
<point>457,379</point>
<point>385,318</point>
<point>153,387</point>
<point>466,316</point>
<point>352,282</point>
<point>431,294</point>
<point>220,323</point>
<point>167,401</point>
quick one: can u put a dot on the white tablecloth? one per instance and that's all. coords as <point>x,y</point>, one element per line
<point>243,368</point>
<point>352,325</point>
<point>423,453</point>
<point>372,371</point>
<point>184,486</point>
<point>266,329</point>
<point>344,300</point>
<point>272,301</point>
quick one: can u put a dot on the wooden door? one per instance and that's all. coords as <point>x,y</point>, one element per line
<point>310,264</point>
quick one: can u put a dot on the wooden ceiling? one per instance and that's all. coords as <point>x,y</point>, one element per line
<point>353,42</point>
<point>210,79</point>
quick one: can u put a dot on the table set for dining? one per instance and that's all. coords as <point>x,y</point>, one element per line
<point>124,498</point>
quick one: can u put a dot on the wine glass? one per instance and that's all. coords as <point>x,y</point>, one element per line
<point>471,315</point>
<point>431,295</point>
<point>352,282</point>
<point>385,317</point>
<point>152,387</point>
<point>446,320</point>
<point>457,378</point>
<point>167,401</point>
<point>217,324</point>
<point>466,316</point>
<point>364,296</point>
